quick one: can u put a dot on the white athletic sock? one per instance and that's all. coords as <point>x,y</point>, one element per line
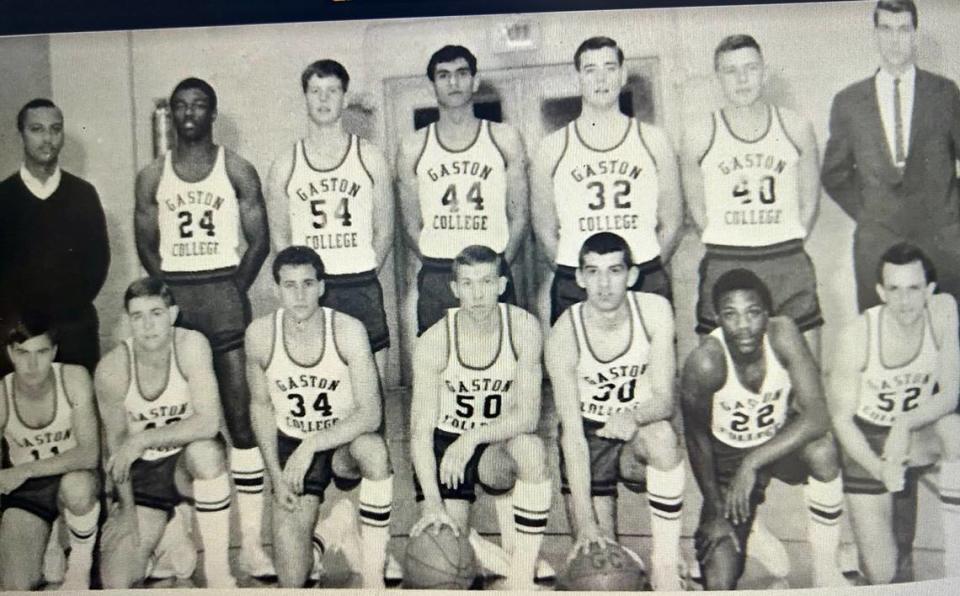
<point>212,498</point>
<point>950,506</point>
<point>83,535</point>
<point>508,534</point>
<point>531,508</point>
<point>376,499</point>
<point>665,496</point>
<point>825,506</point>
<point>246,467</point>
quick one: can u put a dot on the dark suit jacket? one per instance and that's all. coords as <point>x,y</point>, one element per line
<point>858,170</point>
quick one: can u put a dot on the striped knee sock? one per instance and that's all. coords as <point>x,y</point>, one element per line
<point>83,535</point>
<point>246,468</point>
<point>665,496</point>
<point>949,482</point>
<point>825,507</point>
<point>212,498</point>
<point>531,508</point>
<point>376,499</point>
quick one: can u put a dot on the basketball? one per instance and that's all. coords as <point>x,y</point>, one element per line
<point>608,568</point>
<point>444,561</point>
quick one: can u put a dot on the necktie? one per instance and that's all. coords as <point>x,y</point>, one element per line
<point>898,125</point>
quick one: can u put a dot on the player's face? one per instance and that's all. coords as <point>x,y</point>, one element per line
<point>605,278</point>
<point>42,135</point>
<point>325,98</point>
<point>478,287</point>
<point>453,83</point>
<point>744,321</point>
<point>192,115</point>
<point>741,73</point>
<point>601,77</point>
<point>905,291</point>
<point>151,321</point>
<point>33,358</point>
<point>300,290</point>
<point>896,38</point>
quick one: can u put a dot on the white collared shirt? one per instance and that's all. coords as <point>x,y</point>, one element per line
<point>884,85</point>
<point>40,189</point>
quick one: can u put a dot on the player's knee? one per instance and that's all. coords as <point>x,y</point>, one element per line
<point>721,570</point>
<point>658,444</point>
<point>822,458</point>
<point>119,571</point>
<point>78,491</point>
<point>528,452</point>
<point>372,457</point>
<point>205,459</point>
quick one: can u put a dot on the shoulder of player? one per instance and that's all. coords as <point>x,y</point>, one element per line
<point>561,341</point>
<point>190,345</point>
<point>347,328</point>
<point>551,146</point>
<point>413,142</point>
<point>149,176</point>
<point>431,347</point>
<point>523,324</point>
<point>75,376</point>
<point>112,373</point>
<point>785,336</point>
<point>707,364</point>
<point>943,311</point>
<point>652,305</point>
<point>282,162</point>
<point>259,335</point>
<point>238,166</point>
<point>697,134</point>
<point>798,127</point>
<point>505,135</point>
<point>370,151</point>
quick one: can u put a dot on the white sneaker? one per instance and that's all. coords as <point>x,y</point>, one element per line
<point>54,559</point>
<point>316,570</point>
<point>255,562</point>
<point>339,532</point>
<point>77,576</point>
<point>176,553</point>
<point>544,572</point>
<point>767,550</point>
<point>392,571</point>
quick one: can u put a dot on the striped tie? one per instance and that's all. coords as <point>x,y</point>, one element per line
<point>901,156</point>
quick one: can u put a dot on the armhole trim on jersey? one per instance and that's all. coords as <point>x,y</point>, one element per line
<point>63,385</point>
<point>786,133</point>
<point>276,321</point>
<point>6,401</point>
<point>333,338</point>
<point>131,372</point>
<point>713,137</point>
<point>508,318</point>
<point>360,159</point>
<point>643,326</point>
<point>563,151</point>
<point>496,145</point>
<point>293,166</point>
<point>176,358</point>
<point>573,324</point>
<point>646,147</point>
<point>866,363</point>
<point>448,337</point>
<point>929,320</point>
<point>423,149</point>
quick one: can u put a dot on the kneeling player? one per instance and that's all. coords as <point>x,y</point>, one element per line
<point>158,400</point>
<point>476,404</point>
<point>893,393</point>
<point>316,409</point>
<point>50,434</point>
<point>611,361</point>
<point>754,409</point>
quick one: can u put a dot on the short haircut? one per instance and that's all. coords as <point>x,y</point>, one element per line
<point>731,43</point>
<point>604,243</point>
<point>904,253</point>
<point>325,68</point>
<point>195,83</point>
<point>596,43</point>
<point>39,102</point>
<point>741,279</point>
<point>896,6</point>
<point>298,255</point>
<point>476,254</point>
<point>146,287</point>
<point>450,54</point>
<point>29,325</point>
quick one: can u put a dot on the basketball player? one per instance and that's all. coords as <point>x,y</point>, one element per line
<point>193,205</point>
<point>333,194</point>
<point>317,422</point>
<point>893,393</point>
<point>604,172</point>
<point>157,394</point>
<point>611,362</point>
<point>50,451</point>
<point>462,182</point>
<point>754,409</point>
<point>476,404</point>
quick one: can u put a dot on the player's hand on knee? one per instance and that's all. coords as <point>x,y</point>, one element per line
<point>11,479</point>
<point>434,518</point>
<point>587,537</point>
<point>454,462</point>
<point>897,445</point>
<point>737,502</point>
<point>621,427</point>
<point>285,497</point>
<point>711,534</point>
<point>118,466</point>
<point>892,474</point>
<point>296,468</point>
<point>121,529</point>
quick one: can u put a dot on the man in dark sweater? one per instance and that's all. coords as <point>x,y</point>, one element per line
<point>54,251</point>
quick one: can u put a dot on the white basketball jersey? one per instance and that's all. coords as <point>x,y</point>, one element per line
<point>310,397</point>
<point>742,418</point>
<point>172,404</point>
<point>463,195</point>
<point>751,187</point>
<point>611,386</point>
<point>886,392</point>
<point>27,443</point>
<point>199,221</point>
<point>613,190</point>
<point>474,396</point>
<point>331,211</point>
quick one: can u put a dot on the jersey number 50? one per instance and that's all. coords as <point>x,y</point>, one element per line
<point>491,405</point>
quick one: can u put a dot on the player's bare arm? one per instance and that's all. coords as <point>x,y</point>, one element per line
<point>275,191</point>
<point>407,155</point>
<point>253,217</point>
<point>697,136</point>
<point>669,199</point>
<point>383,203</point>
<point>111,380</point>
<point>543,208</point>
<point>145,217</point>
<point>510,142</point>
<point>808,167</point>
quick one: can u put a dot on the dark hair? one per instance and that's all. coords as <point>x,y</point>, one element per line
<point>449,54</point>
<point>298,255</point>
<point>741,279</point>
<point>29,325</point>
<point>146,287</point>
<point>596,43</point>
<point>896,6</point>
<point>904,253</point>
<point>195,83</point>
<point>39,102</point>
<point>603,243</point>
<point>731,43</point>
<point>475,254</point>
<point>325,68</point>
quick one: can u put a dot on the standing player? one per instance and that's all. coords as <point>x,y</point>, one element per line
<point>893,391</point>
<point>316,408</point>
<point>192,207</point>
<point>476,404</point>
<point>462,182</point>
<point>50,451</point>
<point>754,409</point>
<point>611,362</point>
<point>604,172</point>
<point>157,395</point>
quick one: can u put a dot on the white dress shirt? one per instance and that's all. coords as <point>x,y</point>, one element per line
<point>40,189</point>
<point>884,83</point>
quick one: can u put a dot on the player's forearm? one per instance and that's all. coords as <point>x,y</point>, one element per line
<point>660,407</point>
<point>927,413</point>
<point>669,223</point>
<point>148,249</point>
<point>178,434</point>
<point>258,248</point>
<point>695,196</point>
<point>79,458</point>
<point>425,464</point>
<point>263,422</point>
<point>546,232</point>
<point>382,244</point>
<point>505,427</point>
<point>790,438</point>
<point>855,444</point>
<point>702,463</point>
<point>344,432</point>
<point>577,460</point>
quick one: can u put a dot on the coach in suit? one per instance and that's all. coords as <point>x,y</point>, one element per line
<point>890,159</point>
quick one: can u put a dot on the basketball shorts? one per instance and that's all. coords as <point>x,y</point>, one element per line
<point>37,496</point>
<point>565,292</point>
<point>435,295</point>
<point>785,268</point>
<point>215,307</point>
<point>320,472</point>
<point>360,296</point>
<point>857,480</point>
<point>155,483</point>
<point>604,465</point>
<point>467,491</point>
